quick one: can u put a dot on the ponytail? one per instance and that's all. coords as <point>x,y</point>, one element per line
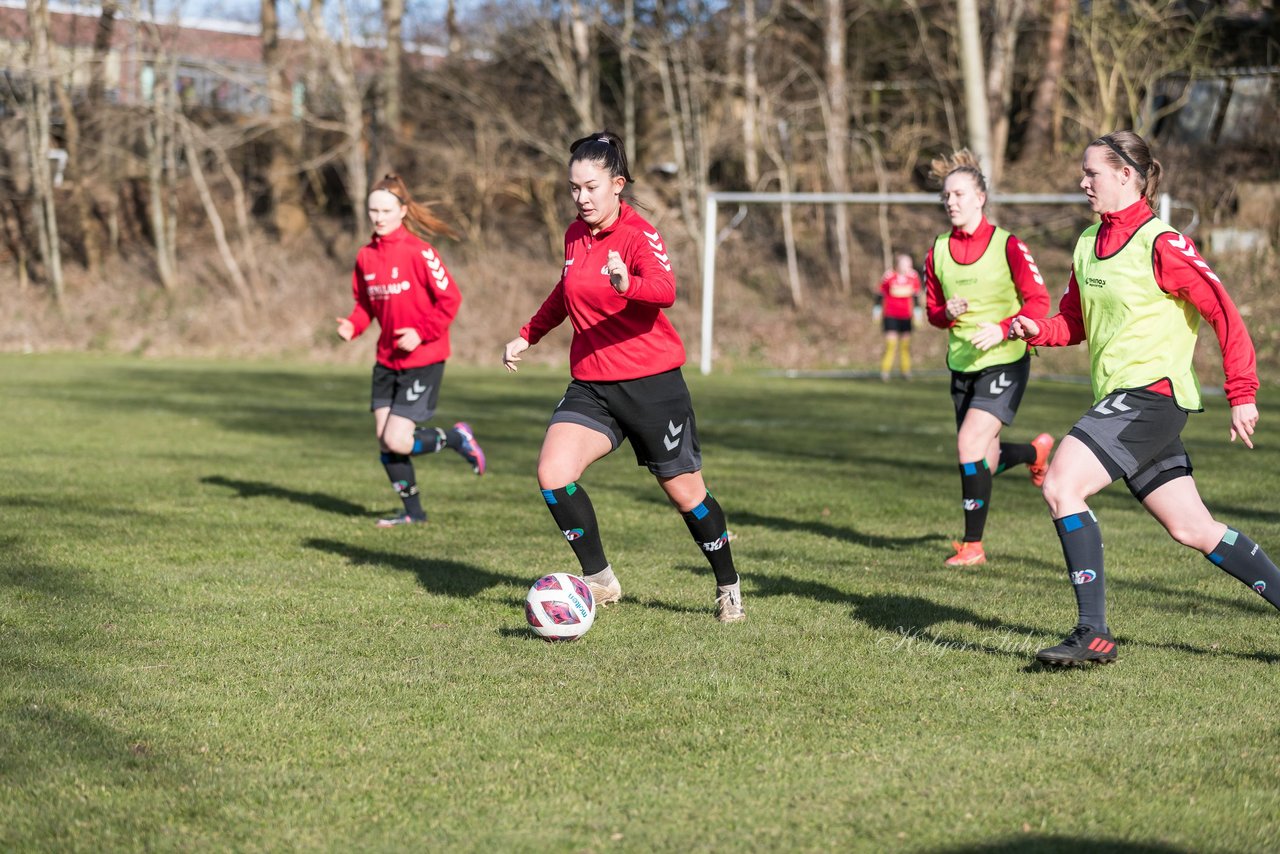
<point>418,218</point>
<point>604,148</point>
<point>963,161</point>
<point>1126,148</point>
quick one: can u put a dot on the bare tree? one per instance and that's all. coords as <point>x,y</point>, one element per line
<point>1006,19</point>
<point>780,154</point>
<point>162,166</point>
<point>1041,135</point>
<point>38,109</point>
<point>750,92</point>
<point>338,60</point>
<point>626,59</point>
<point>835,42</point>
<point>389,97</point>
<point>674,54</point>
<point>1126,48</point>
<point>567,50</point>
<point>211,211</point>
<point>452,35</point>
<point>283,141</point>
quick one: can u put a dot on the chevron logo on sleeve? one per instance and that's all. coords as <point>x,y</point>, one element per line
<point>659,251</point>
<point>436,266</point>
<point>1184,246</point>
<point>1031,263</point>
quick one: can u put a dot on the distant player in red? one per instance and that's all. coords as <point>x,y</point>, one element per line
<point>1137,292</point>
<point>400,281</point>
<point>625,357</point>
<point>978,277</point>
<point>898,299</point>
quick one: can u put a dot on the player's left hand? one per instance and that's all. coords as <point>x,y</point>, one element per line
<point>617,272</point>
<point>1244,417</point>
<point>407,339</point>
<point>987,336</point>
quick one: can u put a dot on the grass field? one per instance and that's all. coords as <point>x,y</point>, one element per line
<point>206,645</point>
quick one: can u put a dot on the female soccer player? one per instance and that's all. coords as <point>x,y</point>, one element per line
<point>1138,289</point>
<point>401,281</point>
<point>977,278</point>
<point>899,295</point>
<point>625,359</point>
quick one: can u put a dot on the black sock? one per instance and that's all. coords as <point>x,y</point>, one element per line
<point>1243,559</point>
<point>711,533</point>
<point>1082,547</point>
<point>1015,453</point>
<point>400,471</point>
<point>428,440</point>
<point>975,486</point>
<point>572,510</point>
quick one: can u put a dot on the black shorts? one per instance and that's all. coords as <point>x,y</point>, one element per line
<point>1136,435</point>
<point>411,393</point>
<point>896,324</point>
<point>997,389</point>
<point>654,413</point>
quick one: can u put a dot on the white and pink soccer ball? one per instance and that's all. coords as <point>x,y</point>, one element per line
<point>559,607</point>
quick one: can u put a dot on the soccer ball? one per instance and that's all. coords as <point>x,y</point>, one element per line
<point>559,607</point>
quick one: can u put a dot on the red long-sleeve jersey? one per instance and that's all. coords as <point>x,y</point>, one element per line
<point>400,280</point>
<point>898,294</point>
<point>615,336</point>
<point>1180,272</point>
<point>967,248</point>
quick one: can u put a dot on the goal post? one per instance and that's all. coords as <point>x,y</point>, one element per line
<point>711,234</point>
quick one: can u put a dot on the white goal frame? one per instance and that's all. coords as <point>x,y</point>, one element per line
<point>712,236</point>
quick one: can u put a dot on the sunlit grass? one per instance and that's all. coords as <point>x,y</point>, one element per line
<point>205,643</point>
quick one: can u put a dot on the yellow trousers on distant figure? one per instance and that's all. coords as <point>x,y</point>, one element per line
<point>890,350</point>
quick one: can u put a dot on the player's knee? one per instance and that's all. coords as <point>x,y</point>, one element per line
<point>1056,493</point>
<point>552,475</point>
<point>396,442</point>
<point>1201,535</point>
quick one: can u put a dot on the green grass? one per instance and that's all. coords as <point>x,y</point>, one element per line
<point>206,645</point>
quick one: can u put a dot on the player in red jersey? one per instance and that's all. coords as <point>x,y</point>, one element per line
<point>625,358</point>
<point>897,300</point>
<point>977,278</point>
<point>1137,292</point>
<point>402,282</point>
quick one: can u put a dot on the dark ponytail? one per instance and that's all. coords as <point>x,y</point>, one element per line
<point>604,148</point>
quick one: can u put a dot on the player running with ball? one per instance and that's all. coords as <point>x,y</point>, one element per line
<point>1137,292</point>
<point>625,357</point>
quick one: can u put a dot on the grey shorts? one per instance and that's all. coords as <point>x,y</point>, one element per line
<point>654,413</point>
<point>997,389</point>
<point>1136,435</point>
<point>411,393</point>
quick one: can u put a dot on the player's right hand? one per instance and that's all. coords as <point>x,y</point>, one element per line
<point>956,306</point>
<point>346,329</point>
<point>511,352</point>
<point>1023,328</point>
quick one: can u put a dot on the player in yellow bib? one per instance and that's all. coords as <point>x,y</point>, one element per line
<point>977,279</point>
<point>1137,292</point>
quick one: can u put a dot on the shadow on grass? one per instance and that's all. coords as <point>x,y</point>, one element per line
<point>443,577</point>
<point>1062,845</point>
<point>1228,513</point>
<point>846,534</point>
<point>905,617</point>
<point>258,489</point>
